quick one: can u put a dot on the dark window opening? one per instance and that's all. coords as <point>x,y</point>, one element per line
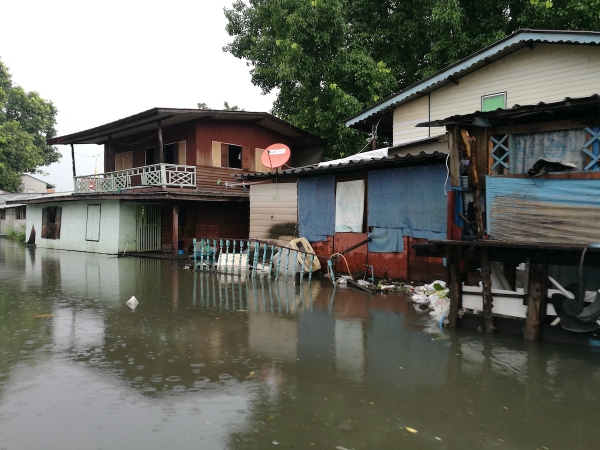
<point>170,153</point>
<point>2,214</point>
<point>51,219</point>
<point>20,213</point>
<point>235,156</point>
<point>150,156</point>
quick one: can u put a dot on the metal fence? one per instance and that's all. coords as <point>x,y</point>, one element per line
<point>240,256</point>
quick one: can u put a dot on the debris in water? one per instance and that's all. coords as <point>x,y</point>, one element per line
<point>132,302</point>
<point>43,316</point>
<point>411,430</point>
<point>434,296</point>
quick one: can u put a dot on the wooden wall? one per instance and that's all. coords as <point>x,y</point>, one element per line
<point>210,220</point>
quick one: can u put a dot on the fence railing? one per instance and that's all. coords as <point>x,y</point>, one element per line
<point>165,175</point>
<point>237,256</point>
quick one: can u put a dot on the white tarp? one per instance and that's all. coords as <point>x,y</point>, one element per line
<point>349,206</point>
<point>365,156</point>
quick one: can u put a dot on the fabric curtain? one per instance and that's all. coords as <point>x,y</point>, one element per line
<point>409,200</point>
<point>563,146</point>
<point>349,206</point>
<point>316,208</point>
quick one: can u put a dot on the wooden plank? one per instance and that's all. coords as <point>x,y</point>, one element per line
<point>175,230</point>
<point>531,330</point>
<point>455,156</point>
<point>247,159</point>
<point>224,155</point>
<point>216,154</point>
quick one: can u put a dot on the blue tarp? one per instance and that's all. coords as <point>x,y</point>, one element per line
<point>410,200</point>
<point>316,208</point>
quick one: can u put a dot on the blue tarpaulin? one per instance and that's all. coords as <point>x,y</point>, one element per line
<point>316,208</point>
<point>409,200</point>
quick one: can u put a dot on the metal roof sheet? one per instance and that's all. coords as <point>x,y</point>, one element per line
<point>387,161</point>
<point>497,50</point>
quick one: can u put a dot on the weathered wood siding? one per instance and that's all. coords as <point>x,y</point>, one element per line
<point>407,116</point>
<point>274,212</point>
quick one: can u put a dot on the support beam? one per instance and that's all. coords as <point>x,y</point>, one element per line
<point>161,151</point>
<point>486,292</point>
<point>73,159</point>
<point>175,231</point>
<point>455,284</point>
<point>531,330</point>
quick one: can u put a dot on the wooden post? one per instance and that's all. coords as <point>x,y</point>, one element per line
<point>161,152</point>
<point>544,288</point>
<point>453,261</point>
<point>111,156</point>
<point>484,260</point>
<point>531,330</point>
<point>175,230</point>
<point>73,159</point>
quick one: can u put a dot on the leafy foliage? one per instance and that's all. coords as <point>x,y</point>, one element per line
<point>26,121</point>
<point>17,234</point>
<point>331,59</point>
<point>226,107</point>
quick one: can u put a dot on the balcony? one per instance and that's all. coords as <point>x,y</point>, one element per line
<point>162,175</point>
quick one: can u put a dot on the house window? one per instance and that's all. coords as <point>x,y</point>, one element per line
<point>493,102</point>
<point>92,229</point>
<point>231,155</point>
<point>2,214</point>
<point>150,156</point>
<point>51,219</point>
<point>20,213</point>
<point>175,153</point>
<point>544,152</point>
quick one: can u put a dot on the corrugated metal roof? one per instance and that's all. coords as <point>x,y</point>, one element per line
<point>388,161</point>
<point>147,121</point>
<point>142,194</point>
<point>519,111</point>
<point>497,50</point>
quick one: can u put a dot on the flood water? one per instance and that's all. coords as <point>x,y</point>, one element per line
<point>214,362</point>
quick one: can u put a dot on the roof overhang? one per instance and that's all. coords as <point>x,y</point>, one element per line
<point>148,121</point>
<point>519,39</point>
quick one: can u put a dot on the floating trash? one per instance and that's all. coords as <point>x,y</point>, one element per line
<point>132,302</point>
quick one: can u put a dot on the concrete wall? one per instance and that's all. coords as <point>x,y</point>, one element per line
<point>548,73</point>
<point>10,220</point>
<point>117,224</point>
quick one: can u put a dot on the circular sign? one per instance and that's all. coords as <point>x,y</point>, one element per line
<point>275,155</point>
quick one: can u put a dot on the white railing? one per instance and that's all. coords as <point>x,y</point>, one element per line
<point>164,175</point>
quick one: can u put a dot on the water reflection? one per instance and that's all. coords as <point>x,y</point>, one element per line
<point>220,361</point>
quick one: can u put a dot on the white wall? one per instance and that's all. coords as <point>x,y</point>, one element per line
<point>117,224</point>
<point>548,73</point>
<point>10,220</point>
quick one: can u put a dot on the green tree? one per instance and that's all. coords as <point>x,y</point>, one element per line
<point>226,107</point>
<point>330,59</point>
<point>26,121</point>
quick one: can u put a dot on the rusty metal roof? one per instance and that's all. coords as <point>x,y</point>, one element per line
<point>452,73</point>
<point>148,121</point>
<point>373,163</point>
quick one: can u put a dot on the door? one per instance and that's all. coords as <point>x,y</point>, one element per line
<point>148,228</point>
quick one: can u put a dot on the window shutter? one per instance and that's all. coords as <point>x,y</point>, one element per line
<point>224,155</point>
<point>246,158</point>
<point>181,153</point>
<point>57,222</point>
<point>44,223</point>
<point>216,154</point>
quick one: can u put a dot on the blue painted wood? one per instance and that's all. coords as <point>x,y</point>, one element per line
<point>594,143</point>
<point>312,264</point>
<point>500,151</point>
<point>226,255</point>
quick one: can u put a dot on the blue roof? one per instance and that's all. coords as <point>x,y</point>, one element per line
<point>495,51</point>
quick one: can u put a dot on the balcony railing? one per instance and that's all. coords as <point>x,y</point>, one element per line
<point>164,175</point>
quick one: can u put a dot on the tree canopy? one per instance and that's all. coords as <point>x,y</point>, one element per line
<point>26,121</point>
<point>330,59</point>
<point>226,107</point>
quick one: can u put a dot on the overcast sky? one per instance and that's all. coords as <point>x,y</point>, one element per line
<point>102,61</point>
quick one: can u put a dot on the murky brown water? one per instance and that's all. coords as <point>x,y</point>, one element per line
<point>212,362</point>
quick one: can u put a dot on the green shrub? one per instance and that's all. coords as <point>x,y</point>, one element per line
<point>17,234</point>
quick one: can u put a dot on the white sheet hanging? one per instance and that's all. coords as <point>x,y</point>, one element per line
<point>349,206</point>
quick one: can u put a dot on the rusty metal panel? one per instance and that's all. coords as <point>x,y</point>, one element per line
<point>357,258</point>
<point>390,265</point>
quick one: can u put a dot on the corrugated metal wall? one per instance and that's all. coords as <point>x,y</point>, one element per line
<point>274,212</point>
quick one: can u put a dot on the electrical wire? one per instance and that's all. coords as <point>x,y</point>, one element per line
<point>447,174</point>
<point>347,268</point>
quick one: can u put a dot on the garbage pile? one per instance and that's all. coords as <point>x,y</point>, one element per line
<point>436,297</point>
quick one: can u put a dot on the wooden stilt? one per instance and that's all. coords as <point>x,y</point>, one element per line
<point>531,330</point>
<point>486,293</point>
<point>175,231</point>
<point>453,261</point>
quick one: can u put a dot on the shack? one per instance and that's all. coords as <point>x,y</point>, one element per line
<point>373,207</point>
<point>527,184</point>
